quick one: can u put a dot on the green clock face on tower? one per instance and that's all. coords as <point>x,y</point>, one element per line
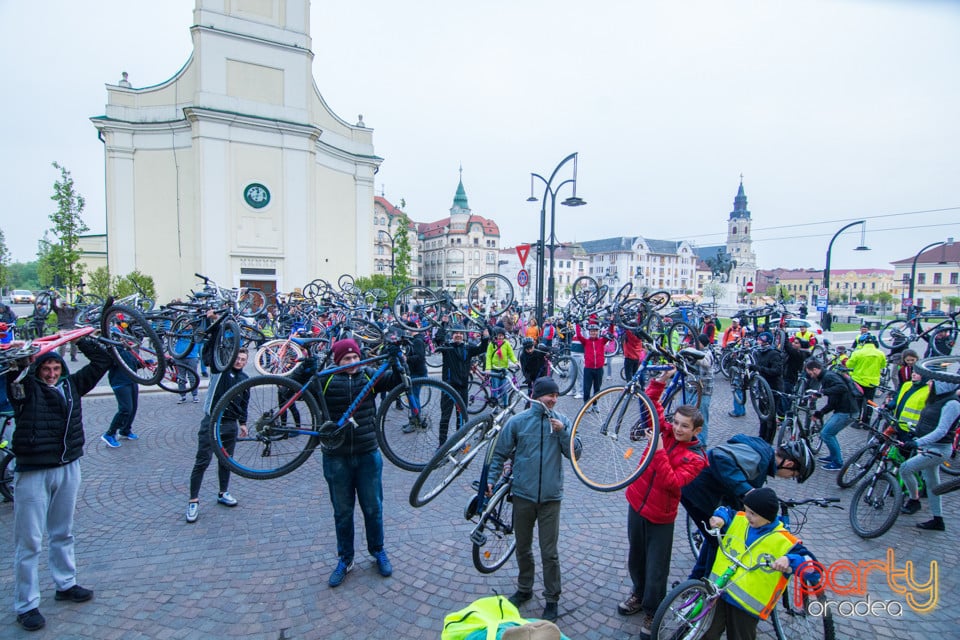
<point>256,195</point>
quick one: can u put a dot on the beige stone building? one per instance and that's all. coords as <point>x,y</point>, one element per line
<point>235,167</point>
<point>937,277</point>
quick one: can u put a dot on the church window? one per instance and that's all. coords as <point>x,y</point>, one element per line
<point>734,231</point>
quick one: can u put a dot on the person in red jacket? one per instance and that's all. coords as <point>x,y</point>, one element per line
<point>654,498</point>
<point>593,358</point>
<point>633,353</point>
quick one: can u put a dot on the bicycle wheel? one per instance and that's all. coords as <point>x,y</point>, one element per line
<point>417,308</point>
<point>658,299</point>
<point>279,358</point>
<point>451,460</point>
<point>613,428</point>
<point>175,375</point>
<point>251,303</point>
<point>585,291</point>
<point>478,398</point>
<point>943,338</point>
<point>685,613</point>
<point>6,476</point>
<point>858,465</point>
<point>811,618</point>
<point>179,337</point>
<point>897,333</point>
<point>493,539</point>
<point>813,428</point>
<point>675,398</point>
<point>789,431</point>
<point>876,505</point>
<point>425,397</point>
<point>490,287</point>
<point>947,486</point>
<point>134,345</point>
<point>681,335</point>
<point>761,397</point>
<point>409,439</point>
<point>694,537</point>
<point>943,368</point>
<point>727,360</point>
<point>226,345</point>
<point>281,427</point>
<point>564,372</point>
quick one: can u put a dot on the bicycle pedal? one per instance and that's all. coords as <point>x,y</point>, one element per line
<point>478,538</point>
<point>476,485</point>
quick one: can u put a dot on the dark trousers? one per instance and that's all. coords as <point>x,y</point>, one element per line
<point>866,411</point>
<point>447,407</point>
<point>738,624</point>
<point>546,515</point>
<point>708,550</point>
<point>592,379</point>
<point>228,433</point>
<point>127,400</point>
<point>630,367</point>
<point>351,479</point>
<point>648,560</point>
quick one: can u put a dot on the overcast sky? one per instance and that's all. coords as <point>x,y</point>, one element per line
<point>833,111</point>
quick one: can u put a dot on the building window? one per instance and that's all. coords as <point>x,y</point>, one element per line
<point>937,278</point>
<point>734,231</point>
<point>921,278</point>
<point>953,277</point>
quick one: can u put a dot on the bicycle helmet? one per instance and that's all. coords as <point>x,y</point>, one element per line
<point>799,452</point>
<point>528,343</point>
<point>869,338</point>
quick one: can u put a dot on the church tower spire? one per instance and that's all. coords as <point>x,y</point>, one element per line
<point>739,244</point>
<point>460,211</point>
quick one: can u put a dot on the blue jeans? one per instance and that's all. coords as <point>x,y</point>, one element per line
<point>127,396</point>
<point>739,402</point>
<point>705,411</point>
<point>834,425</point>
<point>356,478</point>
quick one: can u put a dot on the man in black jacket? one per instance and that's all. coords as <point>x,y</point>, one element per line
<point>48,443</point>
<point>770,363</point>
<point>841,402</point>
<point>353,469</point>
<point>455,371</point>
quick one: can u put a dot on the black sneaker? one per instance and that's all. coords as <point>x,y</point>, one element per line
<point>31,620</point>
<point>911,506</point>
<point>76,593</point>
<point>519,597</point>
<point>932,525</point>
<point>550,612</point>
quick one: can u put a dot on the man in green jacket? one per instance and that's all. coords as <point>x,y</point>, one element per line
<point>866,364</point>
<point>538,439</point>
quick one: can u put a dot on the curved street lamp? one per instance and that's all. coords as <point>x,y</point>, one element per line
<point>825,314</point>
<point>913,268</point>
<point>572,201</point>
<point>385,235</point>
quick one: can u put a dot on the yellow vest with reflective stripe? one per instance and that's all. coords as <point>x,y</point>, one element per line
<point>910,402</point>
<point>484,614</point>
<point>756,591</point>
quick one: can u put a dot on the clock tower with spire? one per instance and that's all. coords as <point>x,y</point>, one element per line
<point>739,245</point>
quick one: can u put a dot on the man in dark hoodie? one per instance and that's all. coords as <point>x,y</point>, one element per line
<point>48,443</point>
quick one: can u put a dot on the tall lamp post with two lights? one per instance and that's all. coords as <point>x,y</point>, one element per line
<point>825,314</point>
<point>572,201</point>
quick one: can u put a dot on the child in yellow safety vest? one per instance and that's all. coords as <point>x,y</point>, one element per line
<point>749,535</point>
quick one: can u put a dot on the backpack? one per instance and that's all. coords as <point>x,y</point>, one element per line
<point>746,457</point>
<point>856,391</point>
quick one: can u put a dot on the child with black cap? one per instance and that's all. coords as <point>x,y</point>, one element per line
<point>749,535</point>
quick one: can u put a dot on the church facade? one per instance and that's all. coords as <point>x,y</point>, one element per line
<point>235,167</point>
<point>737,253</point>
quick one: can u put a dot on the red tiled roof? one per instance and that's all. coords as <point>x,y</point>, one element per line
<point>942,253</point>
<point>434,229</point>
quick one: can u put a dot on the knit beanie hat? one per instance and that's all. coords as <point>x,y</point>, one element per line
<point>343,347</point>
<point>763,502</point>
<point>544,386</point>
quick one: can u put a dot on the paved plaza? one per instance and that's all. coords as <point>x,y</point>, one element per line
<point>260,570</point>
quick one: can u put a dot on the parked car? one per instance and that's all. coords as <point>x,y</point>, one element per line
<point>793,325</point>
<point>933,313</point>
<point>22,296</point>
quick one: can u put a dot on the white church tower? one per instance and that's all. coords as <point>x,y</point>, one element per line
<point>235,167</point>
<point>739,245</point>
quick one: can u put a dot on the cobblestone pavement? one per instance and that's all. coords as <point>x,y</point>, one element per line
<point>260,570</point>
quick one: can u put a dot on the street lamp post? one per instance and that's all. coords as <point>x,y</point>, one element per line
<point>913,270</point>
<point>389,236</point>
<point>825,315</point>
<point>572,201</point>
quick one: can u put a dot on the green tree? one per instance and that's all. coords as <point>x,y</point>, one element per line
<point>23,275</point>
<point>134,282</point>
<point>4,262</point>
<point>953,301</point>
<point>401,252</point>
<point>712,289</point>
<point>61,256</point>
<point>387,289</point>
<point>98,282</point>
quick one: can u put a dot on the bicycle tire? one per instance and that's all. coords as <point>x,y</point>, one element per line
<point>277,442</point>
<point>858,465</point>
<point>585,291</point>
<point>496,527</point>
<point>565,373</point>
<point>761,397</point>
<point>681,335</point>
<point>412,451</point>
<point>789,431</point>
<point>426,395</point>
<point>128,332</point>
<point>727,360</point>
<point>946,487</point>
<point>174,374</point>
<point>179,337</point>
<point>226,344</point>
<point>6,475</point>
<point>425,302</point>
<point>612,428</point>
<point>897,333</point>
<point>930,367</point>
<point>694,537</point>
<point>792,621</point>
<point>693,390</point>
<point>943,338</point>
<point>251,303</point>
<point>490,285</point>
<point>434,358</point>
<point>451,460</point>
<point>478,398</point>
<point>279,358</point>
<point>876,505</point>
<point>658,299</point>
<point>685,613</point>
<point>813,427</point>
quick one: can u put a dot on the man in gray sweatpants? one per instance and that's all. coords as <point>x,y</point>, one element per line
<point>48,442</point>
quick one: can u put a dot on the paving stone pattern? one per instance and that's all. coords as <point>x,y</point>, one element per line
<point>260,570</point>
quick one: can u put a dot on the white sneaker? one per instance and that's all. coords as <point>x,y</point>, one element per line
<point>226,499</point>
<point>193,511</point>
<point>577,396</point>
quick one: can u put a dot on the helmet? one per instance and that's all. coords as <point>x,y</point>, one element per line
<point>765,336</point>
<point>528,343</point>
<point>799,452</point>
<point>869,338</point>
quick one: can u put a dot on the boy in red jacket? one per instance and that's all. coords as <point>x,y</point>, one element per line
<point>593,358</point>
<point>654,498</point>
